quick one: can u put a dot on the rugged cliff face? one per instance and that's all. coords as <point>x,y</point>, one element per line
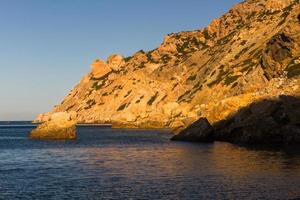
<point>251,52</point>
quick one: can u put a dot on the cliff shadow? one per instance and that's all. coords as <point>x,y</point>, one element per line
<point>266,122</point>
<point>269,122</point>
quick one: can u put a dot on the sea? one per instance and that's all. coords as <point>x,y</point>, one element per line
<point>106,163</point>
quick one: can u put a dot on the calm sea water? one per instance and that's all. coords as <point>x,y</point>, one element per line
<point>141,164</point>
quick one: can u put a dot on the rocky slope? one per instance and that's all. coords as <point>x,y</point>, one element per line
<point>250,53</point>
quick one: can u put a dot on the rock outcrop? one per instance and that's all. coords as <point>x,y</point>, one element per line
<point>100,68</point>
<point>268,121</point>
<point>60,126</point>
<point>199,131</point>
<point>250,53</point>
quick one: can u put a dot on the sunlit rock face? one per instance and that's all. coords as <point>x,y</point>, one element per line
<point>115,62</point>
<point>250,52</point>
<point>100,68</point>
<point>278,4</point>
<point>60,126</point>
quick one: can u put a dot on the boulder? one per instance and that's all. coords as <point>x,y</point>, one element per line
<point>199,131</point>
<point>60,126</point>
<point>100,68</point>
<point>115,62</point>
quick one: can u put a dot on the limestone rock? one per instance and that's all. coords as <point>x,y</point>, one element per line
<point>199,131</point>
<point>100,68</point>
<point>61,126</point>
<point>115,62</point>
<point>250,53</point>
<point>277,4</point>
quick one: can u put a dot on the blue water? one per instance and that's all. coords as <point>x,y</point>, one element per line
<point>106,163</point>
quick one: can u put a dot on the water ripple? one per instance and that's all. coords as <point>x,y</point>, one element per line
<point>131,164</point>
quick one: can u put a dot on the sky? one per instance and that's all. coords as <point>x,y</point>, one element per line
<point>46,46</point>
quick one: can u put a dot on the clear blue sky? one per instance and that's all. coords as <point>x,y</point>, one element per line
<point>46,46</point>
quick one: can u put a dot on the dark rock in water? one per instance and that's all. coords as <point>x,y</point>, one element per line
<point>199,131</point>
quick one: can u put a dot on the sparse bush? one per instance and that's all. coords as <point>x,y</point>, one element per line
<point>230,79</point>
<point>152,99</point>
<point>122,107</point>
<point>293,69</point>
<point>192,77</point>
<point>90,103</point>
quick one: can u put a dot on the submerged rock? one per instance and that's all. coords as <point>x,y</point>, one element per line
<point>199,131</point>
<point>61,126</point>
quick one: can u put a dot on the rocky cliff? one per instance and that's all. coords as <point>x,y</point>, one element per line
<point>250,53</point>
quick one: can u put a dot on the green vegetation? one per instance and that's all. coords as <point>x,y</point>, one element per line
<point>166,58</point>
<point>234,85</point>
<point>243,42</point>
<point>283,16</point>
<point>122,107</point>
<point>293,69</point>
<point>152,99</point>
<point>230,79</point>
<point>127,59</point>
<point>219,78</point>
<point>70,107</point>
<point>195,89</point>
<point>193,64</point>
<point>174,86</point>
<point>150,58</point>
<point>90,103</point>
<point>286,13</point>
<point>192,77</point>
<point>181,48</point>
<point>213,73</point>
<point>99,82</point>
<point>180,98</point>
<point>128,93</point>
<point>206,34</point>
<point>98,86</point>
<point>226,39</point>
<point>237,56</point>
<point>142,65</point>
<point>252,14</point>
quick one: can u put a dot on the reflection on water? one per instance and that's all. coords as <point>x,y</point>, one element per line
<point>130,164</point>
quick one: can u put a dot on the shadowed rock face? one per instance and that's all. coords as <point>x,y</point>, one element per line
<point>269,122</point>
<point>274,121</point>
<point>199,131</point>
<point>250,53</point>
<point>277,55</point>
<point>61,126</point>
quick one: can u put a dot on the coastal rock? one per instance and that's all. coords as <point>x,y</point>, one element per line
<point>248,54</point>
<point>199,131</point>
<point>61,126</point>
<point>270,121</point>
